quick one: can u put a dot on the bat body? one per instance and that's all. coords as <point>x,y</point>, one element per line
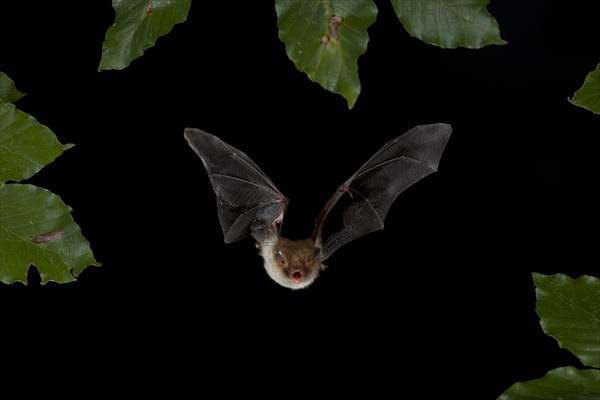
<point>248,203</point>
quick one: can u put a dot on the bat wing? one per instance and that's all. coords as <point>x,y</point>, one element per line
<point>247,201</point>
<point>361,203</point>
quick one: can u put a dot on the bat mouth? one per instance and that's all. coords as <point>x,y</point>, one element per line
<point>297,276</point>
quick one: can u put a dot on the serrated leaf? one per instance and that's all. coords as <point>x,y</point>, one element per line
<point>588,96</point>
<point>138,24</point>
<point>449,23</point>
<point>570,312</point>
<point>325,38</point>
<point>566,383</point>
<point>26,146</point>
<point>36,228</point>
<point>8,90</point>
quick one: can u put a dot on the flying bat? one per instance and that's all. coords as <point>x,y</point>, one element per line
<point>248,202</point>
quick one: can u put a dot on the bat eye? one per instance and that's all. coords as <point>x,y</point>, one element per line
<point>279,255</point>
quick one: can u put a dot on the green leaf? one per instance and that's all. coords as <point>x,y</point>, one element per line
<point>449,23</point>
<point>26,146</point>
<point>36,228</point>
<point>588,96</point>
<point>8,90</point>
<point>138,24</point>
<point>325,38</point>
<point>570,312</point>
<point>566,383</point>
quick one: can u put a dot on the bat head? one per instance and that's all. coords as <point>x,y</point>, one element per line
<point>294,264</point>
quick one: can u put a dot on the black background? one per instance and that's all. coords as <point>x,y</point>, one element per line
<point>443,295</point>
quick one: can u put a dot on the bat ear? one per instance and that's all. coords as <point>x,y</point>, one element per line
<point>317,256</point>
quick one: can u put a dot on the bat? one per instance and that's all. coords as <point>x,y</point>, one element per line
<point>248,203</point>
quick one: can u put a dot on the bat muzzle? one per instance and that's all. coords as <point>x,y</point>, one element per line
<point>297,276</point>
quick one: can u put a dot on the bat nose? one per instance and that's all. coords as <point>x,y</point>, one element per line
<point>297,276</point>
